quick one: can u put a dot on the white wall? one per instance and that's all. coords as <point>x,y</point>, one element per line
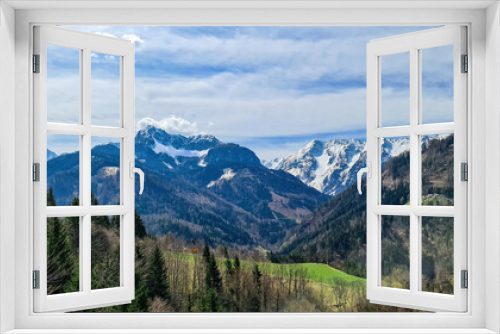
<point>492,165</point>
<point>7,165</point>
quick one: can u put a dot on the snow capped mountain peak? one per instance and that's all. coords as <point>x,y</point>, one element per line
<point>331,166</point>
<point>175,145</point>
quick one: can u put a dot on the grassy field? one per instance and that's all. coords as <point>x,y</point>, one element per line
<point>317,272</point>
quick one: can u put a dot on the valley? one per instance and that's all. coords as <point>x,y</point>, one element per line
<point>297,226</point>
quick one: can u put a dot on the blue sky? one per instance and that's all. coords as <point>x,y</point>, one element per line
<point>272,89</point>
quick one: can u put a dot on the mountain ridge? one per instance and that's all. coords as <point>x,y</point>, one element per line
<point>193,194</point>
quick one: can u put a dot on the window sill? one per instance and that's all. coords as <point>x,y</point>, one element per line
<point>249,331</point>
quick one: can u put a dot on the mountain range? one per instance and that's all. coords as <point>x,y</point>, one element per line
<point>198,187</point>
<point>332,166</point>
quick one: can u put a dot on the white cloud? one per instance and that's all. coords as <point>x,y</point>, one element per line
<point>254,82</point>
<point>238,106</point>
<point>133,38</point>
<point>171,124</point>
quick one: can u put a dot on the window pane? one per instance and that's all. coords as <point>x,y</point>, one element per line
<point>395,89</point>
<point>63,170</point>
<point>396,252</point>
<point>63,239</point>
<point>63,85</point>
<point>437,170</point>
<point>105,86</point>
<point>437,254</point>
<point>105,171</point>
<point>395,157</point>
<point>437,84</point>
<point>105,252</point>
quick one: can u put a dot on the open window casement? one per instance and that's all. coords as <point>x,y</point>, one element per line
<point>399,273</point>
<point>79,104</point>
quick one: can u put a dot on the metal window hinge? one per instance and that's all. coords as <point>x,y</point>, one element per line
<point>36,279</point>
<point>465,64</point>
<point>464,171</point>
<point>36,172</point>
<point>36,63</point>
<point>464,279</point>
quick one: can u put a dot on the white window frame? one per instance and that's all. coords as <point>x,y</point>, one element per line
<point>86,44</point>
<point>483,308</point>
<point>412,44</point>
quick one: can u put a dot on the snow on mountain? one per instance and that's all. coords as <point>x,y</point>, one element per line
<point>272,164</point>
<point>228,175</point>
<point>173,152</point>
<point>152,137</point>
<point>332,166</point>
<point>152,143</point>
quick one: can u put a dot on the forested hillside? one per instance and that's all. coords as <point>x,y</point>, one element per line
<point>335,233</point>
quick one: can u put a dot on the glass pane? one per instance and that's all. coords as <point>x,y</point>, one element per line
<point>395,159</point>
<point>105,87</point>
<point>63,239</point>
<point>395,89</point>
<point>63,85</point>
<point>105,259</point>
<point>396,252</point>
<point>105,171</point>
<point>437,170</point>
<point>63,170</point>
<point>437,254</point>
<point>437,84</point>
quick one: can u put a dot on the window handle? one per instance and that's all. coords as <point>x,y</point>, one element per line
<point>133,171</point>
<point>368,171</point>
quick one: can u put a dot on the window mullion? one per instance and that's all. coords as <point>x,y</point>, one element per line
<point>85,182</point>
<point>414,171</point>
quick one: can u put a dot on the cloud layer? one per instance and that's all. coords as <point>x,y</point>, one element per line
<point>243,83</point>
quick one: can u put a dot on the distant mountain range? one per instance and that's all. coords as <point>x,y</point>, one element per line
<point>197,188</point>
<point>332,166</point>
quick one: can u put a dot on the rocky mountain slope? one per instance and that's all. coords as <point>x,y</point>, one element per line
<point>198,188</point>
<point>332,166</point>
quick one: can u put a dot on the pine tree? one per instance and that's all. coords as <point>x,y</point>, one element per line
<point>254,302</point>
<point>51,200</point>
<point>140,230</point>
<point>237,264</point>
<point>206,253</point>
<point>61,269</point>
<point>99,220</point>
<point>156,278</point>
<point>237,283</point>
<point>211,300</point>
<point>213,279</point>
<point>141,301</point>
<point>256,274</point>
